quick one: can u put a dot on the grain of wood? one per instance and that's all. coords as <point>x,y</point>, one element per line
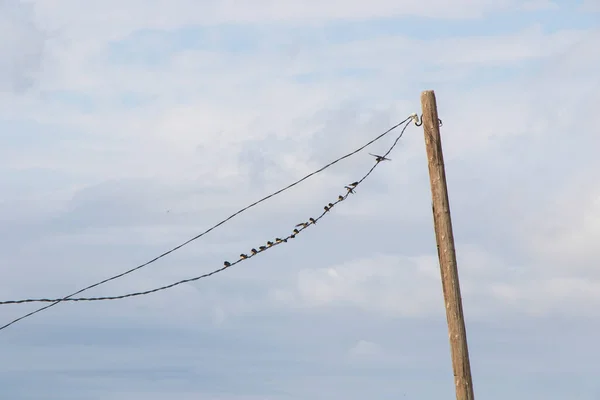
<point>445,247</point>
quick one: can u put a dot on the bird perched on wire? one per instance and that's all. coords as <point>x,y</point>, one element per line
<point>269,243</point>
<point>340,198</point>
<point>254,251</point>
<point>326,208</point>
<point>263,248</point>
<point>227,264</point>
<point>302,224</point>
<point>296,231</point>
<point>380,158</point>
<point>350,189</point>
<point>312,221</point>
<point>243,256</point>
<point>353,184</point>
<point>279,240</point>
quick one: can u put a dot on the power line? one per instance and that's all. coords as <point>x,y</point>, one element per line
<point>227,265</point>
<point>299,228</point>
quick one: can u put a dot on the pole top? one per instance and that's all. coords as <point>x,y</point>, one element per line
<point>428,93</point>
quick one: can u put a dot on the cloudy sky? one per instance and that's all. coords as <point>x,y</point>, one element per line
<point>127,127</point>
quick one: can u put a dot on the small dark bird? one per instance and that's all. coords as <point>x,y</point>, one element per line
<point>227,264</point>
<point>243,256</point>
<point>350,190</point>
<point>330,205</point>
<point>292,236</point>
<point>278,240</point>
<point>312,221</point>
<point>353,184</point>
<point>296,231</point>
<point>269,243</point>
<point>326,208</point>
<point>262,248</point>
<point>380,158</point>
<point>302,224</point>
<point>254,251</point>
<point>340,198</point>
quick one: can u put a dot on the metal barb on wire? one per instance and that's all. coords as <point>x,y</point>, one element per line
<point>227,264</point>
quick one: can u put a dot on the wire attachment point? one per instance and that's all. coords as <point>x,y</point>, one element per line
<point>419,121</point>
<point>415,118</point>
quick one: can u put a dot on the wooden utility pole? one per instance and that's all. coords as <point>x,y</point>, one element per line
<point>445,247</point>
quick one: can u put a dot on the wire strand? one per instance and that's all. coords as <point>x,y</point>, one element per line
<point>350,190</point>
<point>246,257</point>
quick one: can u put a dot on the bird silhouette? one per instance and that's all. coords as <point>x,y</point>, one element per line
<point>263,248</point>
<point>350,190</point>
<point>340,198</point>
<point>243,256</point>
<point>379,158</point>
<point>269,244</point>
<point>312,220</point>
<point>254,251</point>
<point>227,264</point>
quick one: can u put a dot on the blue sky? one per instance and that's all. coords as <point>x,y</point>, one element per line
<point>128,127</point>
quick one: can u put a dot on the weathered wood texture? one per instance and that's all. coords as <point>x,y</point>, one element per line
<point>446,251</point>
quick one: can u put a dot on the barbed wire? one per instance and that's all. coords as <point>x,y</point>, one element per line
<point>350,189</point>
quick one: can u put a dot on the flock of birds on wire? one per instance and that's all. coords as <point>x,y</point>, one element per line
<point>350,189</point>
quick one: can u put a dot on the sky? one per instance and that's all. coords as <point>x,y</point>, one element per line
<point>128,127</point>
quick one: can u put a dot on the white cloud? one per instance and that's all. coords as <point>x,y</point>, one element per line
<point>124,17</point>
<point>176,134</point>
<point>391,285</point>
<point>566,296</point>
<point>197,142</point>
<point>176,152</point>
<point>411,287</point>
<point>567,240</point>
